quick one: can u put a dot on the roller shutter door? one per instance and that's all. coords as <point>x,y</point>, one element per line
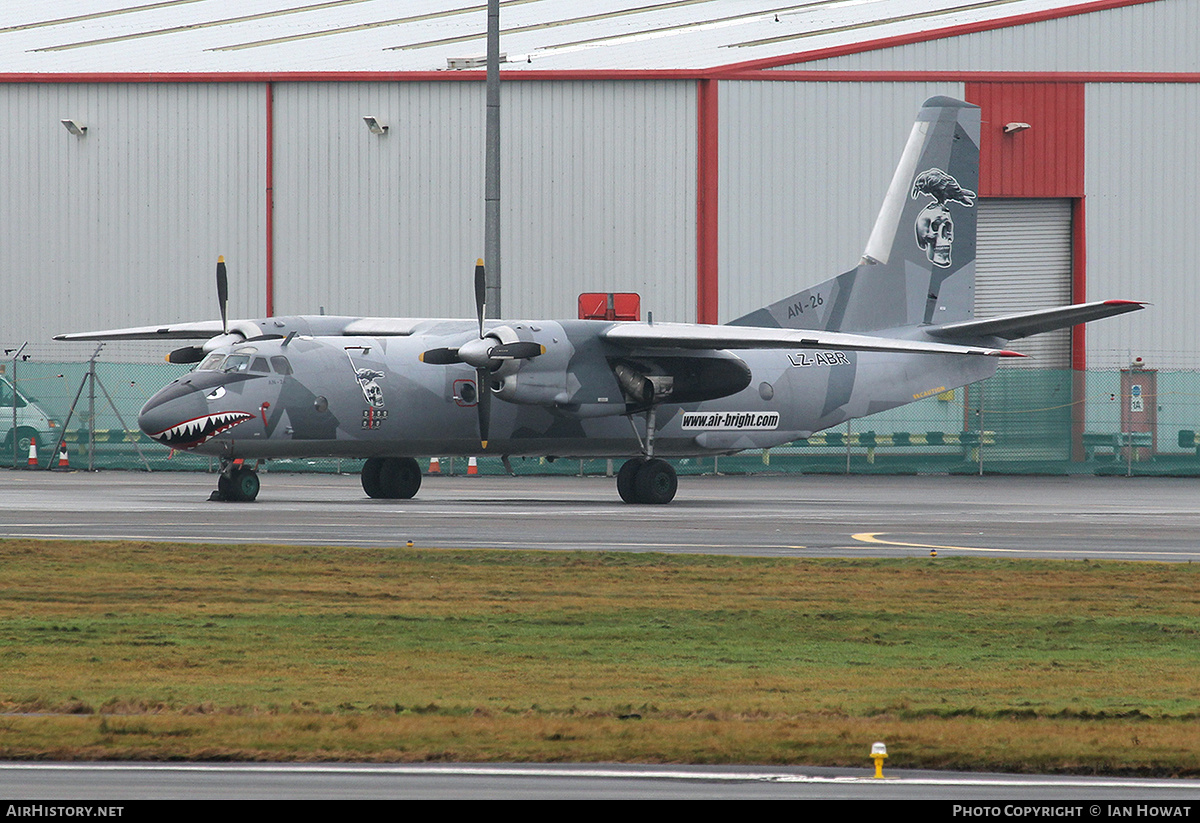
<point>1024,263</point>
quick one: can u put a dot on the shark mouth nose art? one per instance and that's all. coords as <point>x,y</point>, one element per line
<point>191,433</point>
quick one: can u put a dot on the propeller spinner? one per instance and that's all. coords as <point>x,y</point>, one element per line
<point>486,354</point>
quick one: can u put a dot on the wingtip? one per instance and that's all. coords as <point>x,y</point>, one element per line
<point>1010,353</point>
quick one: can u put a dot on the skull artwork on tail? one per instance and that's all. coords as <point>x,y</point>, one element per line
<point>934,226</point>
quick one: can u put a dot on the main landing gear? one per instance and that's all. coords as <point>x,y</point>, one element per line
<point>647,480</point>
<point>236,483</point>
<point>391,478</point>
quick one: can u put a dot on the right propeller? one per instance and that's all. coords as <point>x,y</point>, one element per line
<point>486,353</point>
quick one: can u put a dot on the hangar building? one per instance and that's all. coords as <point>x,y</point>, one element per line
<point>711,155</point>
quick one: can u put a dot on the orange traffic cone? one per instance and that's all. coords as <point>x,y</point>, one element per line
<point>472,466</point>
<point>64,462</point>
<point>33,460</point>
<point>435,466</point>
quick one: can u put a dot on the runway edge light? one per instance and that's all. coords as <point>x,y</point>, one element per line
<point>878,754</point>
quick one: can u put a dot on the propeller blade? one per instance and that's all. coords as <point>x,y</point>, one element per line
<point>188,354</point>
<point>483,388</point>
<point>440,357</point>
<point>223,293</point>
<point>480,293</point>
<point>520,350</point>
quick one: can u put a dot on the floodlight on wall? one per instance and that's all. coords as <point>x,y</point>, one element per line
<point>74,127</point>
<point>1012,128</point>
<point>374,125</point>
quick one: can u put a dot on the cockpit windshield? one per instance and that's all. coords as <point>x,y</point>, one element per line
<point>211,363</point>
<point>242,363</point>
<point>236,363</point>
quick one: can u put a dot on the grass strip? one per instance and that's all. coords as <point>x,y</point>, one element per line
<point>168,651</point>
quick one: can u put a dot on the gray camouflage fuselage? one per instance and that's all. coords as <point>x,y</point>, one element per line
<point>320,408</point>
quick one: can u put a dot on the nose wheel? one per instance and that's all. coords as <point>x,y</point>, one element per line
<point>647,480</point>
<point>236,484</point>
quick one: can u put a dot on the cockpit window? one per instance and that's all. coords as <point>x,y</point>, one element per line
<point>281,364</point>
<point>211,363</point>
<point>260,365</point>
<point>236,363</point>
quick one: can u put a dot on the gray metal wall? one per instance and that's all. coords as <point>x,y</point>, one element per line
<point>598,194</point>
<point>123,225</point>
<point>1143,218</point>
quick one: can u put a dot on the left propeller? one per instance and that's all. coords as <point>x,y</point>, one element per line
<point>487,354</point>
<point>194,354</point>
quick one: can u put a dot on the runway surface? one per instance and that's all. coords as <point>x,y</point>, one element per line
<point>1153,519</point>
<point>1146,519</point>
<point>1019,795</point>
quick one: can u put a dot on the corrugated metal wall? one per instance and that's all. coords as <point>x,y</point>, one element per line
<point>598,194</point>
<point>123,225</point>
<point>804,168</point>
<point>1143,218</point>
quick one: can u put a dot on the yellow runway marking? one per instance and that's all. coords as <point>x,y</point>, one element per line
<point>873,537</point>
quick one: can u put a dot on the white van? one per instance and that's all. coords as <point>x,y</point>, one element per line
<point>32,422</point>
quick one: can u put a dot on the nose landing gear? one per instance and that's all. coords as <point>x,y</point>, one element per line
<point>236,483</point>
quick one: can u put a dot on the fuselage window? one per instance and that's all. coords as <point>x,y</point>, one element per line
<point>281,364</point>
<point>260,365</point>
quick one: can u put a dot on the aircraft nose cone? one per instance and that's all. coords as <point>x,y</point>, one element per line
<point>170,406</point>
<point>180,415</point>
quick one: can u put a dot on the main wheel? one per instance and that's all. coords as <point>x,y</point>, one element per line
<point>399,478</point>
<point>656,482</point>
<point>371,483</point>
<point>626,477</point>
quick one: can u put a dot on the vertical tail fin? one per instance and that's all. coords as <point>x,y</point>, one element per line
<point>919,263</point>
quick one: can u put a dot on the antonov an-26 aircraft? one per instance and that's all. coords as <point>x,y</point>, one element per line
<point>897,328</point>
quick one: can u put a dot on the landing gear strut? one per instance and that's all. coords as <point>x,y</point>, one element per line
<point>236,483</point>
<point>647,479</point>
<point>391,478</point>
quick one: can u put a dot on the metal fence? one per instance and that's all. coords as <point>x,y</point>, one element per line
<point>1133,421</point>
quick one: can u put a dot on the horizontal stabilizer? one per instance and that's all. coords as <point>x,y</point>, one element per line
<point>687,336</point>
<point>1026,324</point>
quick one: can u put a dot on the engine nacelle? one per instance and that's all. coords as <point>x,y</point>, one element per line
<point>536,381</point>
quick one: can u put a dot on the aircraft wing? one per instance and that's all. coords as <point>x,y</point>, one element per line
<point>1025,324</point>
<point>200,330</point>
<point>689,336</point>
<point>324,325</point>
